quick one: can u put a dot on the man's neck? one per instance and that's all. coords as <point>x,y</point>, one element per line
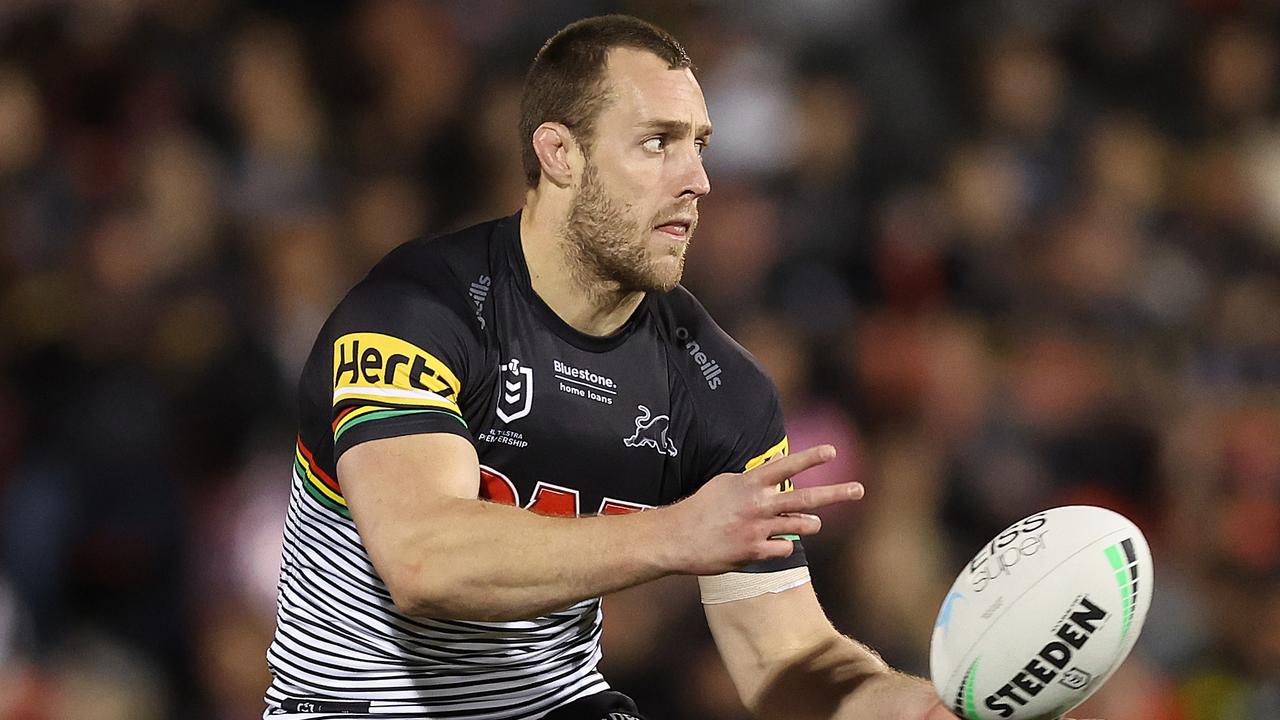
<point>588,304</point>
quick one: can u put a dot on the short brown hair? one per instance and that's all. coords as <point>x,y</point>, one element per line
<point>565,82</point>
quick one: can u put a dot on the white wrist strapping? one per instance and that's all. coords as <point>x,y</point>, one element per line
<point>732,586</point>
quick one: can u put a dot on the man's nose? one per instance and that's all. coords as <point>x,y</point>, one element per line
<point>694,180</point>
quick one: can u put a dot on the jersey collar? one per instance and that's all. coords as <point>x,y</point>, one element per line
<point>508,234</point>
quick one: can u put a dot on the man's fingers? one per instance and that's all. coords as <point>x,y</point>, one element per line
<point>783,467</point>
<point>777,548</point>
<point>938,712</point>
<point>795,524</point>
<point>811,498</point>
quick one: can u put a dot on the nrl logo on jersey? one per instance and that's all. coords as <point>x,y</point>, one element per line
<point>652,431</point>
<point>515,391</point>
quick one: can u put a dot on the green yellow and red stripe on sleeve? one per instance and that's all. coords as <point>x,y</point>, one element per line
<point>320,485</point>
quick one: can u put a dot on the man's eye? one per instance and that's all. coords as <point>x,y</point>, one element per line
<point>655,144</point>
<point>701,147</point>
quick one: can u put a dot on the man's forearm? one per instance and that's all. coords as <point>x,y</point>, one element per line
<point>495,562</point>
<point>789,663</point>
<point>444,553</point>
<point>840,679</point>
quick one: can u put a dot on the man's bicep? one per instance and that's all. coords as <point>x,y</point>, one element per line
<point>396,488</point>
<point>400,491</point>
<point>412,468</point>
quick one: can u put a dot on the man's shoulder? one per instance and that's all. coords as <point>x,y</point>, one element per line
<point>732,396</point>
<point>432,260</point>
<point>413,283</point>
<point>710,359</point>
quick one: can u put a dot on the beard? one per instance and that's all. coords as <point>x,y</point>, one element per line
<point>609,244</point>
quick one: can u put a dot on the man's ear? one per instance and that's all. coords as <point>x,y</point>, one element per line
<point>555,147</point>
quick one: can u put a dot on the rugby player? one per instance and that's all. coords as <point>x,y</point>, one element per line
<point>500,425</point>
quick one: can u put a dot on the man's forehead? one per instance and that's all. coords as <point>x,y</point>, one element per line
<point>629,59</point>
<point>641,78</point>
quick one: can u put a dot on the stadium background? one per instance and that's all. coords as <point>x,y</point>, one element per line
<point>1006,255</point>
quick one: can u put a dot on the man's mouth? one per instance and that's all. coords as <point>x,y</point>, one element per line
<point>678,229</point>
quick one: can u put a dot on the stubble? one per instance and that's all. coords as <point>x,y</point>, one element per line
<point>608,245</point>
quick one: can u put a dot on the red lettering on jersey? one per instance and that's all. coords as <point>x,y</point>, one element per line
<point>496,487</point>
<point>551,499</point>
<point>548,498</point>
<point>609,506</point>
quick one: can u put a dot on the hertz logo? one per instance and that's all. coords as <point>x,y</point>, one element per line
<point>365,360</point>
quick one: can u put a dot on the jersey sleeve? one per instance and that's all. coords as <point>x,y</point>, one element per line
<point>757,436</point>
<point>401,356</point>
<point>745,431</point>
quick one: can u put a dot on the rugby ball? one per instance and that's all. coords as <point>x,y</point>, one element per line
<point>1042,615</point>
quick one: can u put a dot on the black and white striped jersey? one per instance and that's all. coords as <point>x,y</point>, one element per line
<point>446,335</point>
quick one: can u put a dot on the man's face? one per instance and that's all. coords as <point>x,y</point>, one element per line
<point>637,201</point>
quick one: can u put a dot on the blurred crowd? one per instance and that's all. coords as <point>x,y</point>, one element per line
<point>1005,255</point>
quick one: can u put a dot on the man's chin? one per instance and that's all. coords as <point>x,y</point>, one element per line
<point>657,279</point>
<point>666,273</point>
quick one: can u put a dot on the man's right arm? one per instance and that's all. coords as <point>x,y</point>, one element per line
<point>442,552</point>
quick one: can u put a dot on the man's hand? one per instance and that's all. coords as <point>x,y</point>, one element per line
<point>736,518</point>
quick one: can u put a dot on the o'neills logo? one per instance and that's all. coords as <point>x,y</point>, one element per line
<point>710,368</point>
<point>479,292</point>
<point>1075,630</point>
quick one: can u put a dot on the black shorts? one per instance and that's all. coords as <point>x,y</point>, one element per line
<point>608,705</point>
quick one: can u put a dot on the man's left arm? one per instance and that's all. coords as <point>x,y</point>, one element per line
<point>787,661</point>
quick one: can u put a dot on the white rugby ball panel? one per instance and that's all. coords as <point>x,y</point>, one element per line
<point>1042,615</point>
